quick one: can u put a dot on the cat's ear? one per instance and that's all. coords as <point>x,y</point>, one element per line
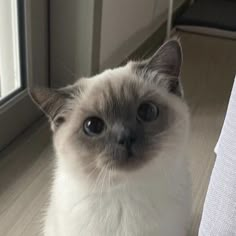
<point>55,103</point>
<point>164,67</point>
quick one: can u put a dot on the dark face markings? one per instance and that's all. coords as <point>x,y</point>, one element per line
<point>127,142</point>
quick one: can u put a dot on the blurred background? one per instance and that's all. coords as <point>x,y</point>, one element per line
<point>51,43</point>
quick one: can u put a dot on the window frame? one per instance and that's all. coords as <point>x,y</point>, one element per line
<point>39,51</point>
<point>17,112</point>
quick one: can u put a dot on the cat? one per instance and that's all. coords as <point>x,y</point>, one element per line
<point>119,139</point>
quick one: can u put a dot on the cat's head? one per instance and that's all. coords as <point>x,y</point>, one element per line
<point>122,118</point>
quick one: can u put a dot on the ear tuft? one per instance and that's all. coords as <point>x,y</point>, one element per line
<point>163,67</point>
<point>53,102</point>
<point>40,96</point>
<point>48,100</point>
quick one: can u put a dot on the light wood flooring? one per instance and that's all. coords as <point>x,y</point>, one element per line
<point>25,168</point>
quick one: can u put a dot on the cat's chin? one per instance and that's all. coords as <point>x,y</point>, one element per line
<point>128,164</point>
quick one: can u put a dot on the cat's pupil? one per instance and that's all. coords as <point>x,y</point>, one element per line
<point>93,126</point>
<point>148,112</point>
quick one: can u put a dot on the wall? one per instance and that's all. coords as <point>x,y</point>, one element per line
<point>128,23</point>
<point>75,34</point>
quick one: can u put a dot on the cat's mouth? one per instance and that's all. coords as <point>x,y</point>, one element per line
<point>125,161</point>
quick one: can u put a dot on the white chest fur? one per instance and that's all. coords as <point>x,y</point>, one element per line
<point>152,202</point>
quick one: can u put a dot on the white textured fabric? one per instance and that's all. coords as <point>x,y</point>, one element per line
<point>219,213</point>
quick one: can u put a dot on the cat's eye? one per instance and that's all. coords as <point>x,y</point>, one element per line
<point>147,112</point>
<point>93,126</point>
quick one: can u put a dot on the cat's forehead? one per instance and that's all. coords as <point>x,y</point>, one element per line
<point>116,94</point>
<point>111,96</point>
<point>117,84</point>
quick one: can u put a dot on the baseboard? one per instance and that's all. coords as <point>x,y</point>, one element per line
<point>208,31</point>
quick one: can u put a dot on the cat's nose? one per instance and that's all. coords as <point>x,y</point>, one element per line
<point>126,138</point>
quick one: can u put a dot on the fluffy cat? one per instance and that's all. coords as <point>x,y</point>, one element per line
<point>119,139</point>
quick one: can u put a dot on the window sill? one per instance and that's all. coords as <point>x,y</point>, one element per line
<point>24,180</point>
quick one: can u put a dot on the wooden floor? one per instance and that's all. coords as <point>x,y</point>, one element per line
<point>25,168</point>
<point>208,73</point>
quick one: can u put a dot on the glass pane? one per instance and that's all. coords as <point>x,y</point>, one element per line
<point>10,79</point>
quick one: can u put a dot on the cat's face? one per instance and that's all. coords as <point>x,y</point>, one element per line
<point>120,119</point>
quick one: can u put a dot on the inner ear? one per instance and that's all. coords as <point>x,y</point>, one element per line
<point>174,86</point>
<point>167,59</point>
<point>59,121</point>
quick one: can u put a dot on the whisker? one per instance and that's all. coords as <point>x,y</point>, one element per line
<point>93,163</point>
<point>67,68</point>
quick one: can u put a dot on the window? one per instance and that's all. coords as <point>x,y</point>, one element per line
<point>27,30</point>
<point>10,78</point>
<point>23,63</point>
